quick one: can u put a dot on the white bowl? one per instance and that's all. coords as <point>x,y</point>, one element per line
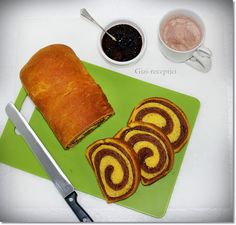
<point>128,22</point>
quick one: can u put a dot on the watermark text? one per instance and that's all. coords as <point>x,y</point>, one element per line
<point>162,72</point>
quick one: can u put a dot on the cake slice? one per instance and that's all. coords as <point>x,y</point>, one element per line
<point>166,115</point>
<point>116,167</point>
<point>152,147</point>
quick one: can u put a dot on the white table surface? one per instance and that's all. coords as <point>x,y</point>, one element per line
<point>204,188</point>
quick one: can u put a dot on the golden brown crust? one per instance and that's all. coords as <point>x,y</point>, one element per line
<point>124,149</point>
<point>181,115</point>
<point>66,95</point>
<point>138,132</point>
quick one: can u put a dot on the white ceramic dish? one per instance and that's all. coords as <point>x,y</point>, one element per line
<point>138,28</point>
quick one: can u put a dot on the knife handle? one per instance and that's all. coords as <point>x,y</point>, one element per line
<point>71,200</point>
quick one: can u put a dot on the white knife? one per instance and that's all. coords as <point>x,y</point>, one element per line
<point>55,173</point>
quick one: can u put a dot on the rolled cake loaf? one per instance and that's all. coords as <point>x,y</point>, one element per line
<point>116,167</point>
<point>152,147</point>
<point>66,95</point>
<point>166,115</point>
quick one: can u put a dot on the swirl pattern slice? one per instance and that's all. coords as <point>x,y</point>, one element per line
<point>166,115</point>
<point>116,168</point>
<point>152,147</point>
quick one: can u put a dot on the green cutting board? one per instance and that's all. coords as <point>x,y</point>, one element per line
<point>124,93</point>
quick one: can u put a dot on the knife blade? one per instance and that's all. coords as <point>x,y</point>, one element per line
<point>61,182</point>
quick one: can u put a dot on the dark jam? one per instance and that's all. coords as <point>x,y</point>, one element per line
<point>127,46</point>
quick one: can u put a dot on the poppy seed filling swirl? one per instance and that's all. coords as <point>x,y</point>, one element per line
<point>165,115</point>
<point>114,169</point>
<point>152,148</point>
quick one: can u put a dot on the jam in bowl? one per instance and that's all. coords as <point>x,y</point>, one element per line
<point>129,46</point>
